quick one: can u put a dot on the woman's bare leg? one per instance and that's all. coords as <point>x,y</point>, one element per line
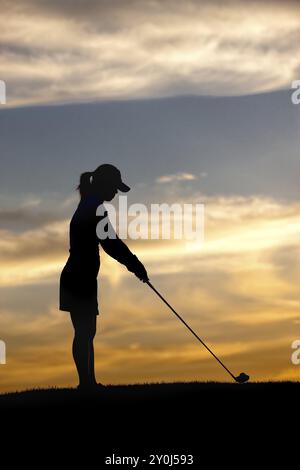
<point>83,350</point>
<point>91,352</point>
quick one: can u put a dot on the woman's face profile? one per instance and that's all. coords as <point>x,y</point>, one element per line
<point>108,192</point>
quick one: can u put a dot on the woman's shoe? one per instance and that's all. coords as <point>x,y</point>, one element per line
<point>99,386</point>
<point>90,388</point>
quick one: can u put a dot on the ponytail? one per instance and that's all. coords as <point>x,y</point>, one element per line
<point>85,184</point>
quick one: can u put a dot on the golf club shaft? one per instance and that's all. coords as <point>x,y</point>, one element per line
<point>189,328</point>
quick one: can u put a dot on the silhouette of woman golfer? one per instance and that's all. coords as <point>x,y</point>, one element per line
<point>78,280</point>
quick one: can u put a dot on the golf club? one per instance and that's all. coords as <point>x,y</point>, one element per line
<point>242,378</point>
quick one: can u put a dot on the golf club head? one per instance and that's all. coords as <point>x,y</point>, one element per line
<point>242,378</point>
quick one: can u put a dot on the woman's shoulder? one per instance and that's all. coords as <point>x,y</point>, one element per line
<point>91,199</point>
<point>88,206</point>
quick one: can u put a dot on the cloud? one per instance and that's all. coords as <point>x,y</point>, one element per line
<point>239,231</point>
<point>22,217</point>
<point>239,291</point>
<point>61,52</point>
<point>20,213</point>
<point>140,341</point>
<point>176,177</point>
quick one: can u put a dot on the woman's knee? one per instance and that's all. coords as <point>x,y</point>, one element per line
<point>85,330</point>
<point>93,327</point>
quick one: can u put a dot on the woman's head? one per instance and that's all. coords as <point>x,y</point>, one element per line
<point>105,182</point>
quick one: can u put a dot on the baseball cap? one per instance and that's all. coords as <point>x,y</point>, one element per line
<point>112,175</point>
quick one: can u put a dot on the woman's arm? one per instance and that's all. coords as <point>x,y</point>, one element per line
<point>118,250</point>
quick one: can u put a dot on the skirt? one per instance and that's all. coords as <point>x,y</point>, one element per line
<point>78,287</point>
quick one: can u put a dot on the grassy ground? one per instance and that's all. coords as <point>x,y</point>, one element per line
<point>160,394</point>
<point>215,421</point>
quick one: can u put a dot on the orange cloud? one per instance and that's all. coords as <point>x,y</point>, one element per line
<point>239,291</point>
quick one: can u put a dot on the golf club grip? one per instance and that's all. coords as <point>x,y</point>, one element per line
<point>189,328</point>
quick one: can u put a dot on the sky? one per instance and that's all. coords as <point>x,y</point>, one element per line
<point>192,102</point>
